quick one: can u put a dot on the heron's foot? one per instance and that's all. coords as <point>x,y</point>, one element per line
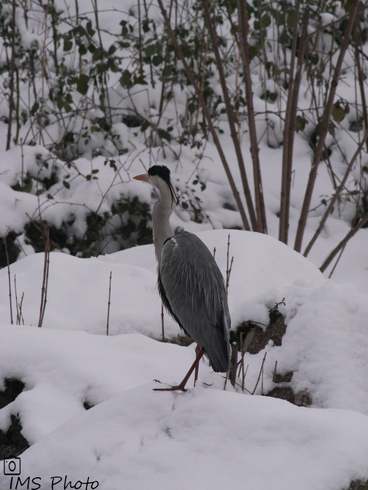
<point>180,387</point>
<point>172,388</point>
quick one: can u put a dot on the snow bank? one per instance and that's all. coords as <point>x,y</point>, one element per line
<point>205,439</point>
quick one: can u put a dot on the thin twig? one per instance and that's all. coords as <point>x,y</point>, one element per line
<point>104,89</point>
<point>337,194</point>
<point>337,261</point>
<point>11,78</point>
<point>45,279</point>
<point>229,264</point>
<point>108,306</point>
<point>343,242</point>
<point>19,305</point>
<point>361,78</point>
<point>44,74</point>
<point>324,128</point>
<point>274,372</point>
<point>207,115</point>
<point>233,363</point>
<point>260,373</point>
<point>290,121</point>
<point>162,322</point>
<point>254,149</point>
<point>338,191</point>
<point>16,299</point>
<point>230,116</point>
<point>21,317</point>
<point>202,79</point>
<point>9,281</point>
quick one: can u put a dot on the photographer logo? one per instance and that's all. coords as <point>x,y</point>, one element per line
<point>12,469</point>
<point>12,466</point>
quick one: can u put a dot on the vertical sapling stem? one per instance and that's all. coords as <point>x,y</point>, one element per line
<point>45,280</point>
<point>108,306</point>
<point>9,282</point>
<point>162,322</point>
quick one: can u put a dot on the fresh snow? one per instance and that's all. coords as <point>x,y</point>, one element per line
<point>207,437</point>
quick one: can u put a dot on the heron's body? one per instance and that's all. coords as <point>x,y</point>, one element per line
<point>190,283</point>
<point>194,294</point>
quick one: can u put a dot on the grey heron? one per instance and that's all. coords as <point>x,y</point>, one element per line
<point>190,283</point>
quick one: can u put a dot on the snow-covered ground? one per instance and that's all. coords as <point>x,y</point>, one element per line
<point>136,438</point>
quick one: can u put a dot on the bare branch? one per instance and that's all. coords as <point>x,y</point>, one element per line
<point>207,116</point>
<point>45,279</point>
<point>343,242</point>
<point>9,281</point>
<point>336,195</point>
<point>290,121</point>
<point>230,115</point>
<point>108,306</point>
<point>324,129</point>
<point>254,150</point>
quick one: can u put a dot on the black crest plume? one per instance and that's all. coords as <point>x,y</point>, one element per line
<point>164,173</point>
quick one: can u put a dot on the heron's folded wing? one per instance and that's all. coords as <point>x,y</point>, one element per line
<point>192,288</point>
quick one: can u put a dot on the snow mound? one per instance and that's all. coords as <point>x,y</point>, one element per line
<point>77,297</point>
<point>261,263</point>
<point>202,439</point>
<point>63,370</point>
<point>138,438</point>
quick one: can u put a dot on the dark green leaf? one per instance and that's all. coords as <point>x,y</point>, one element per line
<point>331,128</point>
<point>301,122</point>
<point>68,44</point>
<point>157,60</point>
<point>34,108</point>
<point>89,28</point>
<point>126,79</point>
<point>338,112</point>
<point>150,50</point>
<point>145,125</point>
<point>82,50</point>
<point>266,21</point>
<point>82,84</point>
<point>145,25</point>
<point>314,59</point>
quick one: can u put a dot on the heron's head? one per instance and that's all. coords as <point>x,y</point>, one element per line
<point>156,176</point>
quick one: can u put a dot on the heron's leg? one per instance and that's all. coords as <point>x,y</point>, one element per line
<point>197,351</point>
<point>181,386</point>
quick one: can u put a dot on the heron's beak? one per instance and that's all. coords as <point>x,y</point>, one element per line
<point>143,177</point>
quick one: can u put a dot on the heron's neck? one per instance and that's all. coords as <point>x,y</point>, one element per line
<point>161,219</point>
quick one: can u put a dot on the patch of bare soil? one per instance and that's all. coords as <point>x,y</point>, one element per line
<point>256,339</point>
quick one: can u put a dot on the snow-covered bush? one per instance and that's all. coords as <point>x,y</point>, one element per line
<point>115,90</point>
